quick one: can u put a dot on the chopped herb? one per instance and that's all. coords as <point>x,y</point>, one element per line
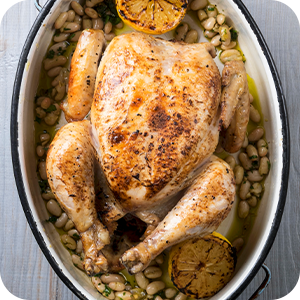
<point>255,163</point>
<point>160,294</point>
<point>51,54</point>
<point>244,182</point>
<point>71,36</point>
<point>37,119</point>
<point>43,185</point>
<point>107,291</point>
<point>234,34</point>
<point>66,29</point>
<point>251,187</point>
<point>253,156</point>
<point>245,174</point>
<point>269,165</point>
<point>107,11</point>
<point>210,8</point>
<point>98,275</point>
<point>76,236</point>
<point>52,219</point>
<point>46,148</point>
<point>51,108</point>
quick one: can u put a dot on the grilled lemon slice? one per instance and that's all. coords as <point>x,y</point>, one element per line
<point>200,267</point>
<point>152,16</point>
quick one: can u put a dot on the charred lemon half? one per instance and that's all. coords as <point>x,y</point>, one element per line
<point>200,267</point>
<point>152,16</point>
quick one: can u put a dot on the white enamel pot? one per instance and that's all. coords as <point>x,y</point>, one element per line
<point>262,69</point>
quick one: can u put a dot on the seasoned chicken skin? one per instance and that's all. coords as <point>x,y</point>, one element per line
<point>70,171</point>
<point>155,113</point>
<point>201,210</point>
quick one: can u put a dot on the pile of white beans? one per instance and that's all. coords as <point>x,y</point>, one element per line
<point>148,284</point>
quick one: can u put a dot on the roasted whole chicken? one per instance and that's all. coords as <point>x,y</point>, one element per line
<point>157,110</point>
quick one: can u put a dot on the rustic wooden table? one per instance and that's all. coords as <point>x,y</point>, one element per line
<point>25,271</point>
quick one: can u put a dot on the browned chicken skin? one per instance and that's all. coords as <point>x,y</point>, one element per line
<point>155,122</point>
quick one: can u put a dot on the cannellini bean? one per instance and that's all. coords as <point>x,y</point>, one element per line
<point>209,23</point>
<point>78,19</point>
<point>42,170</point>
<point>221,19</point>
<point>225,35</point>
<point>216,41</point>
<point>254,114</point>
<point>238,244</point>
<point>77,8</point>
<point>61,221</point>
<point>45,137</point>
<point>98,284</point>
<point>68,242</point>
<point>58,79</point>
<point>78,262</point>
<point>211,11</point>
<point>262,148</point>
<point>231,161</point>
<point>39,101</point>
<point>69,225</point>
<point>60,37</point>
<point>198,4</point>
<point>71,15</point>
<point>209,34</point>
<point>191,37</point>
<point>170,293</point>
<point>40,113</point>
<point>181,30</point>
<point>60,21</point>
<point>54,72</point>
<point>256,189</point>
<point>71,27</point>
<point>56,61</point>
<point>57,111</point>
<point>107,278</point>
<point>120,25</point>
<point>251,98</point>
<point>252,201</point>
<point>254,176</point>
<point>152,272</point>
<point>107,27</point>
<point>124,295</point>
<point>230,46</point>
<point>108,37</point>
<point>264,166</point>
<point>59,46</point>
<point>229,55</point>
<point>61,91</point>
<point>117,286</point>
<point>160,259</point>
<point>79,247</point>
<point>245,143</point>
<point>75,36</point>
<point>202,15</point>
<point>252,153</point>
<point>243,209</point>
<point>138,293</point>
<point>92,3</point>
<point>180,296</point>
<point>48,195</point>
<point>245,161</point>
<point>40,151</point>
<point>97,23</point>
<point>141,280</point>
<point>73,233</point>
<point>256,135</point>
<point>244,190</point>
<point>54,208</point>
<point>51,119</point>
<point>91,13</point>
<point>239,174</point>
<point>155,287</point>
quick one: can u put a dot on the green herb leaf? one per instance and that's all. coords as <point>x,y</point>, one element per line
<point>234,34</point>
<point>269,165</point>
<point>253,156</point>
<point>107,291</point>
<point>43,185</point>
<point>210,8</point>
<point>52,219</point>
<point>76,236</point>
<point>66,29</point>
<point>71,36</point>
<point>51,54</point>
<point>37,119</point>
<point>51,108</point>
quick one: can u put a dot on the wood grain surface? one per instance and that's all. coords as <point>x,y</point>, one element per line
<point>24,270</point>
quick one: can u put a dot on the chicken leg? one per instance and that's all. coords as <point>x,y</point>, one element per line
<point>202,209</point>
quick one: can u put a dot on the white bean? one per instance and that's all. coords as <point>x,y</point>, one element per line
<point>98,284</point>
<point>108,37</point>
<point>225,35</point>
<point>170,293</point>
<point>79,247</point>
<point>180,296</point>
<point>54,208</point>
<point>71,27</point>
<point>209,34</point>
<point>61,91</point>
<point>254,176</point>
<point>160,259</point>
<point>239,174</point>
<point>75,36</point>
<point>252,201</point>
<point>51,119</point>
<point>97,23</point>
<point>107,27</point>
<point>48,195</point>
<point>54,72</point>
<point>245,161</point>
<point>256,189</point>
<point>251,98</point>
<point>40,113</point>
<point>78,262</point>
<point>60,37</point>
<point>254,114</point>
<point>256,135</point>
<point>181,30</point>
<point>59,47</point>
<point>221,19</point>
<point>216,41</point>
<point>77,8</point>
<point>229,55</point>
<point>191,37</point>
<point>209,23</point>
<point>60,21</point>
<point>68,242</point>
<point>92,3</point>
<point>71,15</point>
<point>87,24</point>
<point>153,272</point>
<point>231,161</point>
<point>211,11</point>
<point>42,170</point>
<point>117,286</point>
<point>141,280</point>
<point>264,166</point>
<point>40,151</point>
<point>107,278</point>
<point>202,15</point>
<point>69,225</point>
<point>61,221</point>
<point>124,295</point>
<point>245,143</point>
<point>73,233</point>
<point>50,63</point>
<point>238,244</point>
<point>230,46</point>
<point>155,287</point>
<point>262,148</point>
<point>91,13</point>
<point>243,209</point>
<point>45,137</point>
<point>78,19</point>
<point>120,25</point>
<point>252,153</point>
<point>198,4</point>
<point>244,190</point>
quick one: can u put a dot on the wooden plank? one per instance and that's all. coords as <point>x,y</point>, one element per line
<point>25,271</point>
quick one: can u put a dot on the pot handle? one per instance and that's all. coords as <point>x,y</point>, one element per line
<point>37,5</point>
<point>264,284</point>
